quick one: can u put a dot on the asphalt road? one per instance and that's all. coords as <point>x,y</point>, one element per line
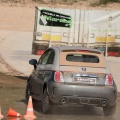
<point>14,97</point>
<point>15,52</point>
<point>12,92</point>
<point>14,60</point>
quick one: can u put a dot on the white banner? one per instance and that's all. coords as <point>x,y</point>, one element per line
<point>78,26</point>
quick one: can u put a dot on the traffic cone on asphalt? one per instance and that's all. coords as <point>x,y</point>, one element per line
<point>29,112</point>
<point>1,116</point>
<point>13,113</point>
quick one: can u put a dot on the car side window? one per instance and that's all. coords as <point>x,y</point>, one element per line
<point>43,59</point>
<point>47,57</point>
<point>51,57</point>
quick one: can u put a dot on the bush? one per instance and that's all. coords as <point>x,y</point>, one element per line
<point>108,1</point>
<point>69,2</point>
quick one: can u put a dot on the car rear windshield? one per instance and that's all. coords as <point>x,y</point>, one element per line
<point>82,58</point>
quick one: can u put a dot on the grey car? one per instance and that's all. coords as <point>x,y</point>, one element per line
<point>66,75</point>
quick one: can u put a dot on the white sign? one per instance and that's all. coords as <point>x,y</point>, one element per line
<point>78,26</point>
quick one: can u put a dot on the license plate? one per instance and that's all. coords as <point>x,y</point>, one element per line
<point>84,80</point>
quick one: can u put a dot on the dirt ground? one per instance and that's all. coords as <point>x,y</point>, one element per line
<point>15,81</point>
<point>16,18</point>
<point>20,17</point>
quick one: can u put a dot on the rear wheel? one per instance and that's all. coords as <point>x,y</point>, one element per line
<point>109,110</point>
<point>28,92</point>
<point>46,103</point>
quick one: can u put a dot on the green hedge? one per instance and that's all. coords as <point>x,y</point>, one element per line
<point>108,1</point>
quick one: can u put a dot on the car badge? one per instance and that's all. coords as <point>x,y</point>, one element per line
<point>83,69</point>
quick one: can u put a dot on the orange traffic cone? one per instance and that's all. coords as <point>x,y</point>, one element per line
<point>29,112</point>
<point>1,116</point>
<point>13,113</point>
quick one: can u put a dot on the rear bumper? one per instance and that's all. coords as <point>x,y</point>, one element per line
<point>60,93</point>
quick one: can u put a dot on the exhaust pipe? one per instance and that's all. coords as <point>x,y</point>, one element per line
<point>63,100</point>
<point>104,103</point>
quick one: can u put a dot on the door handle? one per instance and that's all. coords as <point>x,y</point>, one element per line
<point>42,67</point>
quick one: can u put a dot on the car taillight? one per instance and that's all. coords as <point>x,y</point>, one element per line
<point>109,80</point>
<point>58,77</point>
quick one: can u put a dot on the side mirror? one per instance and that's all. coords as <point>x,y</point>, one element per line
<point>33,62</point>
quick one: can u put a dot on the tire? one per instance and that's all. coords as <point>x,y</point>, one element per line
<point>27,93</point>
<point>109,110</point>
<point>46,103</point>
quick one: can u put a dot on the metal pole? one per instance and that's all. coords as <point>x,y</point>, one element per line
<point>79,27</point>
<point>50,41</point>
<point>69,34</point>
<point>109,25</point>
<point>88,30</point>
<point>106,44</point>
<point>83,29</point>
<point>74,27</point>
<point>106,39</point>
<point>69,38</point>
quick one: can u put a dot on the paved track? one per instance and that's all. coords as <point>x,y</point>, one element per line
<point>15,52</point>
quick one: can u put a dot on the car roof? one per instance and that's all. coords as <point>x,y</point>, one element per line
<point>62,48</point>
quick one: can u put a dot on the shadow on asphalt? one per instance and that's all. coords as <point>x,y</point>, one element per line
<point>24,101</point>
<point>70,110</point>
<point>22,77</point>
<point>85,112</point>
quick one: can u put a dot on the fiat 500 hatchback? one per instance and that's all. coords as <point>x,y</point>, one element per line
<point>72,75</point>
